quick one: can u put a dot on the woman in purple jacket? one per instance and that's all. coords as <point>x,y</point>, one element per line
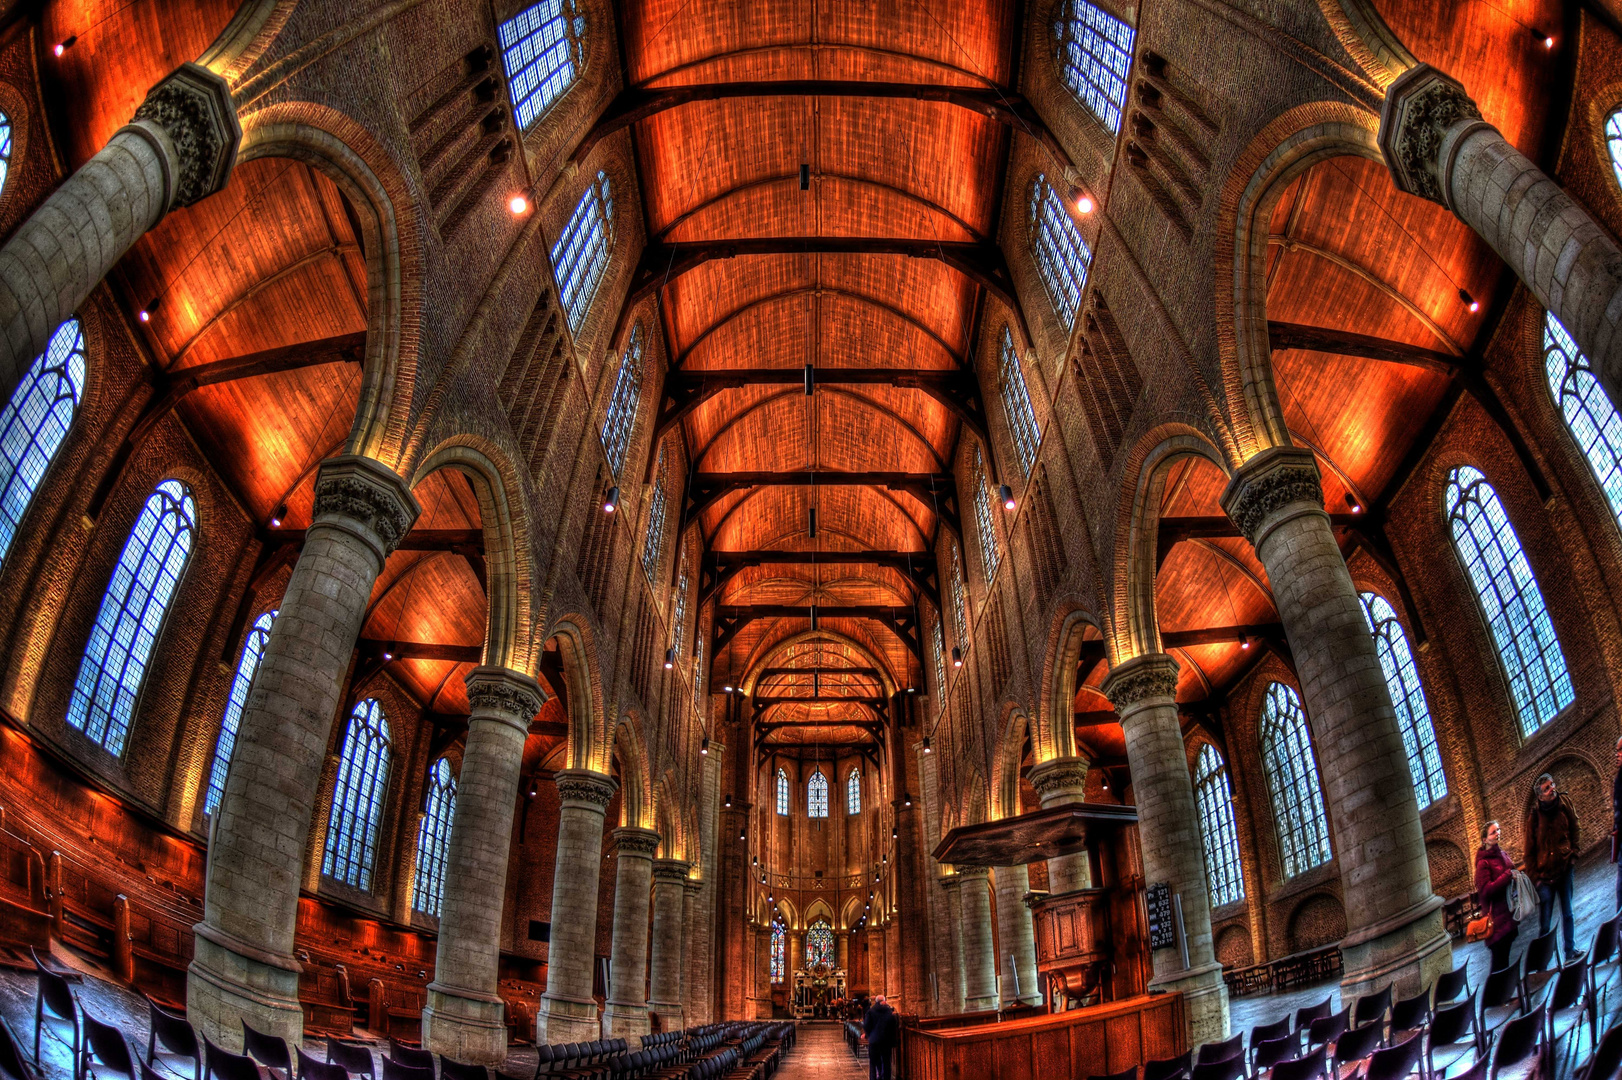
<point>1494,871</point>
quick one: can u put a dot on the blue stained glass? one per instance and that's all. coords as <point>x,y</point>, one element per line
<point>5,149</point>
<point>580,257</point>
<point>1407,698</point>
<point>653,543</point>
<point>1613,142</point>
<point>1593,421</point>
<point>817,795</point>
<point>990,555</point>
<point>253,649</point>
<point>940,670</point>
<point>853,793</point>
<point>1213,796</point>
<point>131,617</point>
<point>357,798</point>
<point>1292,781</point>
<point>1016,402</point>
<point>960,615</point>
<point>1510,599</point>
<point>620,422</point>
<point>1095,58</point>
<point>434,840</point>
<point>779,949</point>
<point>1062,256</point>
<point>36,420</point>
<point>541,51</point>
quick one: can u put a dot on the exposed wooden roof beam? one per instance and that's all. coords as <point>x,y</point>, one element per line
<point>935,490</point>
<point>862,672</point>
<point>421,650</point>
<point>719,567</point>
<point>1283,335</point>
<point>730,619</point>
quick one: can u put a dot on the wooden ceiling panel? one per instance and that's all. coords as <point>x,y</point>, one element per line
<point>849,519</point>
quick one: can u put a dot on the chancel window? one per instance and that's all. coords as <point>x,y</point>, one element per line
<point>782,792</point>
<point>1062,256</point>
<point>853,793</point>
<point>36,419</point>
<point>434,840</point>
<point>357,798</point>
<point>989,553</point>
<point>779,949</point>
<point>653,544</point>
<point>1510,599</point>
<point>1213,796</point>
<point>1407,697</point>
<point>541,50</point>
<point>1095,55</point>
<point>1292,781</point>
<point>819,944</point>
<point>960,616</point>
<point>1016,402</point>
<point>1613,142</point>
<point>253,649</point>
<point>620,422</point>
<point>132,612</point>
<point>816,795</point>
<point>580,256</point>
<point>1591,418</point>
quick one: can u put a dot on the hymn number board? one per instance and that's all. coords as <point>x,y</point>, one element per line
<point>1162,929</point>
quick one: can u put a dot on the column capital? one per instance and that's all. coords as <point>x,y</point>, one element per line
<point>504,695</point>
<point>1279,479</point>
<point>1421,108</point>
<point>365,497</point>
<point>1152,675</point>
<point>583,786</point>
<point>972,873</point>
<point>1061,777</point>
<point>632,842</point>
<point>193,107</point>
<point>670,871</point>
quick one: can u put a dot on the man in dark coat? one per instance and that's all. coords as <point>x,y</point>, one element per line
<point>1551,855</point>
<point>881,1030</point>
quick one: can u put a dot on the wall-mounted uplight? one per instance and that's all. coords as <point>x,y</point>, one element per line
<point>146,313</point>
<point>957,656</point>
<point>927,750</point>
<point>1006,493</point>
<point>518,204</point>
<point>670,658</point>
<point>1469,301</point>
<point>279,516</point>
<point>65,44</point>
<point>704,745</point>
<point>611,501</point>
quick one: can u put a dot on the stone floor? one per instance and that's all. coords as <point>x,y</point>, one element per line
<point>820,1053</point>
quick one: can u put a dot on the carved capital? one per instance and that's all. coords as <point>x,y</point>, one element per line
<point>585,786</point>
<point>972,873</point>
<point>193,107</point>
<point>670,871</point>
<point>1142,677</point>
<point>1061,776</point>
<point>1420,108</point>
<point>504,694</point>
<point>358,491</point>
<point>1269,482</point>
<point>638,843</point>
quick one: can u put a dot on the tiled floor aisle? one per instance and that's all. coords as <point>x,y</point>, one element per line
<point>821,1054</point>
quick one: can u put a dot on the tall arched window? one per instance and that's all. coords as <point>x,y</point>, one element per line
<point>960,616</point>
<point>779,949</point>
<point>679,619</point>
<point>357,798</point>
<point>1062,256</point>
<point>434,840</point>
<point>36,419</point>
<point>541,50</point>
<point>782,792</point>
<point>252,650</point>
<point>1292,781</point>
<point>1016,403</point>
<point>581,254</point>
<point>990,555</point>
<point>1613,142</point>
<point>1095,55</point>
<point>1213,797</point>
<point>939,646</point>
<point>1510,599</point>
<point>620,422</point>
<point>131,616</point>
<point>816,795</point>
<point>1593,422</point>
<point>853,792</point>
<point>819,944</point>
<point>653,543</point>
<point>1407,697</point>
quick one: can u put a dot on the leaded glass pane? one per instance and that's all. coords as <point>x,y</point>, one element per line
<point>782,792</point>
<point>620,422</point>
<point>252,650</point>
<point>1407,698</point>
<point>989,553</point>
<point>819,945</point>
<point>580,256</point>
<point>1292,781</point>
<point>1613,142</point>
<point>816,795</point>
<point>541,50</point>
<point>357,798</point>
<point>1062,256</point>
<point>1593,421</point>
<point>779,948</point>
<point>960,617</point>
<point>1213,797</point>
<point>434,840</point>
<point>653,543</point>
<point>36,420</point>
<point>1095,56</point>
<point>853,793</point>
<point>1016,402</point>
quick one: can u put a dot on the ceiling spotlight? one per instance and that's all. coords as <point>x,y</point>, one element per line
<point>279,516</point>
<point>927,750</point>
<point>534,788</point>
<point>611,501</point>
<point>388,652</point>
<point>1469,301</point>
<point>727,802</point>
<point>957,656</point>
<point>670,658</point>
<point>518,204</point>
<point>704,745</point>
<point>145,314</point>
<point>1548,42</point>
<point>906,798</point>
<point>741,835</point>
<point>726,689</point>
<point>65,44</point>
<point>1085,204</point>
<point>1006,493</point>
<point>1351,501</point>
<point>1244,642</point>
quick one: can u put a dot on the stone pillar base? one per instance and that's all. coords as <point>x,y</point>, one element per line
<point>1406,953</point>
<point>671,1017</point>
<point>1205,1001</point>
<point>624,1019</point>
<point>980,1004</point>
<point>229,981</point>
<point>564,1020</point>
<point>464,1027</point>
<point>763,1008</point>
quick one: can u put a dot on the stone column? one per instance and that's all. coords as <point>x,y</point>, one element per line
<point>842,951</point>
<point>463,1016</point>
<point>626,1014</point>
<point>243,965</point>
<point>953,886</point>
<point>1016,938</point>
<point>690,887</point>
<point>1393,919</point>
<point>179,148</point>
<point>1144,692</point>
<point>763,973</point>
<point>1439,148</point>
<point>702,936</point>
<point>979,952</point>
<point>568,1011</point>
<point>1063,782</point>
<point>664,989</point>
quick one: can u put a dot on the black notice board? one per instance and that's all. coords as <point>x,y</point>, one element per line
<point>1162,930</point>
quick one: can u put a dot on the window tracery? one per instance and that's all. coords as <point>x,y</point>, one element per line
<point>252,650</point>
<point>779,949</point>
<point>653,543</point>
<point>434,840</point>
<point>819,945</point>
<point>782,793</point>
<point>1292,781</point>
<point>580,256</point>
<point>623,402</point>
<point>36,419</point>
<point>1613,142</point>
<point>990,555</point>
<point>1062,255</point>
<point>853,792</point>
<point>1589,414</point>
<point>1407,697</point>
<point>1213,796</point>
<point>1095,57</point>
<point>542,48</point>
<point>357,798</point>
<point>816,795</point>
<point>1016,401</point>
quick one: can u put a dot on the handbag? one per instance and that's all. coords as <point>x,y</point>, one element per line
<point>1478,929</point>
<point>1523,897</point>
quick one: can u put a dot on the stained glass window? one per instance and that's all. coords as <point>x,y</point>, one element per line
<point>989,553</point>
<point>653,543</point>
<point>357,798</point>
<point>541,50</point>
<point>1016,403</point>
<point>434,840</point>
<point>36,419</point>
<point>816,795</point>
<point>939,647</point>
<point>853,792</point>
<point>1593,422</point>
<point>1613,142</point>
<point>5,149</point>
<point>779,949</point>
<point>131,616</point>
<point>782,792</point>
<point>580,256</point>
<point>1062,256</point>
<point>1095,55</point>
<point>1510,599</point>
<point>1292,781</point>
<point>960,616</point>
<point>620,422</point>
<point>1407,697</point>
<point>680,617</point>
<point>1213,796</point>
<point>819,944</point>
<point>252,649</point>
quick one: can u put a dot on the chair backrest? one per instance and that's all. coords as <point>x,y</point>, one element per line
<point>411,1055</point>
<point>394,1070</point>
<point>1607,1057</point>
<point>1358,1043</point>
<point>1225,1069</point>
<point>1164,1068</point>
<point>148,1073</point>
<point>228,1066</point>
<point>1571,985</point>
<point>1371,1007</point>
<point>311,1069</point>
<point>107,1043</point>
<point>54,990</point>
<point>355,1059</point>
<point>1394,1062</point>
<point>1451,985</point>
<point>1603,950</point>
<point>1305,1017</point>
<point>1270,1052</point>
<point>268,1050</point>
<point>1503,987</point>
<point>1304,1067</point>
<point>1327,1029</point>
<point>175,1033</point>
<point>1539,954</point>
<point>1478,1071</point>
<point>1520,1039</point>
<point>450,1069</point>
<point>1410,1013</point>
<point>1452,1023</point>
<point>1266,1032</point>
<point>12,1060</point>
<point>1221,1051</point>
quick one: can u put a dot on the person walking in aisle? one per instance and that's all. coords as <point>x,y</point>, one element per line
<point>881,1029</point>
<point>1551,855</point>
<point>1494,869</point>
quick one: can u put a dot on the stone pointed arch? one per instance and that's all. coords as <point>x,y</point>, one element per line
<point>1005,769</point>
<point>1054,735</point>
<point>851,913</point>
<point>636,784</point>
<point>784,909</point>
<point>669,817</point>
<point>975,811</point>
<point>1362,31</point>
<point>819,909</point>
<point>873,660</point>
<point>589,745</point>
